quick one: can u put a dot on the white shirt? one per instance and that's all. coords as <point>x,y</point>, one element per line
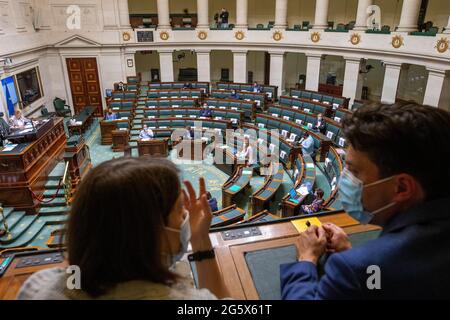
<point>18,122</point>
<point>249,155</point>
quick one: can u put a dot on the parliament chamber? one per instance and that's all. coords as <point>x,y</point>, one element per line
<point>258,112</point>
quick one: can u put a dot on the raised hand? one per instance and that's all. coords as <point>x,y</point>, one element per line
<point>199,215</point>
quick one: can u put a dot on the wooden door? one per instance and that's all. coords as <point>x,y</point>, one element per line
<point>85,84</point>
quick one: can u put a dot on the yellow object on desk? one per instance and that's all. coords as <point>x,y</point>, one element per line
<point>301,224</point>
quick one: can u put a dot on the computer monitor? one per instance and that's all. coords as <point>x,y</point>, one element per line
<point>108,93</point>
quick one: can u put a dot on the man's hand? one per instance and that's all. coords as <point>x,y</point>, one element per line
<point>337,239</point>
<point>312,244</point>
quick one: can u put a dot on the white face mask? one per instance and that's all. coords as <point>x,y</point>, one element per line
<point>185,237</point>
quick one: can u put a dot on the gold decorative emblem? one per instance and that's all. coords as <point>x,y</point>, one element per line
<point>239,35</point>
<point>315,37</point>
<point>442,45</point>
<point>126,36</point>
<point>355,39</point>
<point>397,41</point>
<point>277,35</point>
<point>202,35</point>
<point>164,35</point>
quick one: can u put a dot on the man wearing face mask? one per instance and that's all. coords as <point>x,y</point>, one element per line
<point>391,181</point>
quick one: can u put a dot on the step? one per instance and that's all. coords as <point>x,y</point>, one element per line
<point>52,185</point>
<point>134,139</point>
<point>7,212</point>
<point>134,132</point>
<point>133,144</point>
<point>58,171</point>
<point>39,225</point>
<point>57,202</point>
<point>139,111</point>
<point>13,219</point>
<point>50,193</point>
<point>52,211</point>
<point>19,229</point>
<point>137,122</point>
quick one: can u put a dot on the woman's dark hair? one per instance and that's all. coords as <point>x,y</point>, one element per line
<point>405,138</point>
<point>320,193</point>
<point>208,195</point>
<point>117,220</point>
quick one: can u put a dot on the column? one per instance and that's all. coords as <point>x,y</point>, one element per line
<point>242,14</point>
<point>166,65</point>
<point>435,84</point>
<point>202,14</point>
<point>124,14</point>
<point>281,14</point>
<point>351,78</point>
<point>362,15</point>
<point>204,65</point>
<point>409,16</point>
<point>321,17</point>
<point>447,28</point>
<point>391,79</point>
<point>276,70</point>
<point>163,14</point>
<point>240,66</point>
<point>312,71</point>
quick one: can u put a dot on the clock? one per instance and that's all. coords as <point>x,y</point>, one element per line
<point>277,35</point>
<point>164,35</point>
<point>355,39</point>
<point>126,36</point>
<point>442,45</point>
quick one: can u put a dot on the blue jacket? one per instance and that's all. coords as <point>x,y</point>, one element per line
<point>206,113</point>
<point>213,204</point>
<point>413,253</point>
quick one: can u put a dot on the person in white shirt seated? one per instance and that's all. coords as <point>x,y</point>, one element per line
<point>256,88</point>
<point>18,121</point>
<point>248,153</point>
<point>146,133</point>
<point>188,134</point>
<point>307,144</point>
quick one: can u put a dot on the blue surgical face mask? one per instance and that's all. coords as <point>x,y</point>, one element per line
<point>350,195</point>
<point>185,237</point>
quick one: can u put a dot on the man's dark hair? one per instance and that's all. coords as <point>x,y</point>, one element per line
<point>405,138</point>
<point>116,224</point>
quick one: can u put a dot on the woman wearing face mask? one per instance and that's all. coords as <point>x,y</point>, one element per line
<point>129,224</point>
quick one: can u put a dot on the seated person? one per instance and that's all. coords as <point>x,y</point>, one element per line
<point>256,88</point>
<point>234,95</point>
<point>121,86</point>
<point>188,134</point>
<point>307,143</point>
<point>18,121</point>
<point>248,153</point>
<point>212,202</point>
<point>146,133</point>
<point>110,115</point>
<point>141,263</point>
<point>187,85</point>
<point>316,205</point>
<point>205,111</point>
<point>320,124</point>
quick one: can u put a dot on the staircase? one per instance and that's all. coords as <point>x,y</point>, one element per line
<point>29,230</point>
<point>136,126</point>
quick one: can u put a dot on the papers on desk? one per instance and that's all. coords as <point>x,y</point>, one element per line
<point>258,103</point>
<point>295,107</point>
<point>315,100</point>
<point>335,105</point>
<point>192,116</point>
<point>269,94</point>
<point>195,97</point>
<point>303,190</point>
<point>9,147</point>
<point>301,225</point>
<point>224,147</point>
<point>123,129</point>
<point>178,116</point>
<point>78,123</point>
<point>115,108</point>
<point>247,99</point>
<point>183,97</point>
<point>307,110</point>
<point>247,172</point>
<point>222,107</point>
<point>337,119</point>
<point>234,108</point>
<point>124,118</point>
<point>151,117</point>
<point>310,166</point>
<point>295,97</point>
<point>175,106</point>
<point>218,118</point>
<point>25,131</point>
<point>326,102</point>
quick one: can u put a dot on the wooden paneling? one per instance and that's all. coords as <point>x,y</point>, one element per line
<point>85,84</point>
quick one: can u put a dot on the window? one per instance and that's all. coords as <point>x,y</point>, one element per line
<point>29,85</point>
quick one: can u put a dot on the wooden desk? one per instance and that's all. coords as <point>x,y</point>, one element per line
<point>86,116</point>
<point>79,159</point>
<point>154,147</point>
<point>106,129</point>
<point>191,150</point>
<point>230,255</point>
<point>25,169</point>
<point>120,140</point>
